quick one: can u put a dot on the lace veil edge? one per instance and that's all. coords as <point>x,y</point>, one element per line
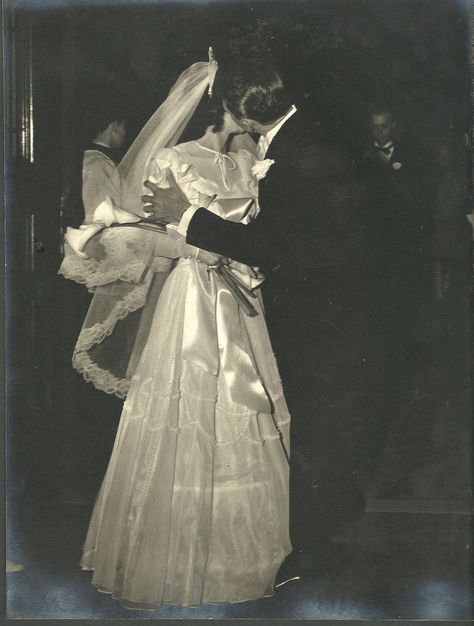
<point>119,317</point>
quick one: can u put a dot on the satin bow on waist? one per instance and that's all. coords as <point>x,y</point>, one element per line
<point>214,334</point>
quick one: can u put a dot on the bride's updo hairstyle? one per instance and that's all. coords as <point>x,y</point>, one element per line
<point>255,92</point>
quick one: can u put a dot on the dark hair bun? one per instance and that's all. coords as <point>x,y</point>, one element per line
<point>255,92</point>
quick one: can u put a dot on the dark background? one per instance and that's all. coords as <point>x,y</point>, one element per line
<point>340,55</point>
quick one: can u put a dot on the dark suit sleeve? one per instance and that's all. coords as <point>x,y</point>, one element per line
<point>252,243</point>
<point>264,241</point>
<point>292,199</point>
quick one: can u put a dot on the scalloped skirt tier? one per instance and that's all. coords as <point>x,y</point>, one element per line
<point>193,508</point>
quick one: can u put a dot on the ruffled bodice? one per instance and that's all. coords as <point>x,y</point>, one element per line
<point>199,171</point>
<point>210,310</point>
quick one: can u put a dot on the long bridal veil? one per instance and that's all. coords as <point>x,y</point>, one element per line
<point>163,129</point>
<point>128,278</point>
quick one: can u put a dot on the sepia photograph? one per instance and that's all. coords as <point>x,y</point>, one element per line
<point>238,310</point>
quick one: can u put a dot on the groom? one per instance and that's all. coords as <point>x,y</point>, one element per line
<point>299,239</point>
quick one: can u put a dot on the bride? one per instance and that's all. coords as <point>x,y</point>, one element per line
<point>194,505</point>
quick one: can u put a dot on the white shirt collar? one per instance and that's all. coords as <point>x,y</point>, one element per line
<point>389,144</point>
<point>271,133</point>
<point>101,143</point>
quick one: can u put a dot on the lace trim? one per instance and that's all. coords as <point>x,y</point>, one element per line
<point>136,408</point>
<point>145,393</point>
<point>100,378</point>
<point>85,272</point>
<point>127,256</point>
<point>133,301</point>
<point>88,337</point>
<point>142,399</point>
<point>240,435</point>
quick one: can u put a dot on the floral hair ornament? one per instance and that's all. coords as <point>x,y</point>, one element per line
<point>212,71</point>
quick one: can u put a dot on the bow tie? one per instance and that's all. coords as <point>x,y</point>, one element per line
<point>385,149</point>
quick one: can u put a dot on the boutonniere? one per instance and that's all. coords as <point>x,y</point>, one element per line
<point>260,168</point>
<point>397,165</point>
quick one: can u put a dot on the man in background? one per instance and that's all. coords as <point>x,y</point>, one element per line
<point>398,226</point>
<point>384,153</point>
<point>108,131</point>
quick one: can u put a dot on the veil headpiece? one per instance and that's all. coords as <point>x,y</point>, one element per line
<point>164,128</point>
<point>212,71</point>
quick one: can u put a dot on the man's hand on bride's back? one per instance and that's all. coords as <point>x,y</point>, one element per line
<point>168,205</point>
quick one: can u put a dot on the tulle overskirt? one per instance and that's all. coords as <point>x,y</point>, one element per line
<point>194,505</point>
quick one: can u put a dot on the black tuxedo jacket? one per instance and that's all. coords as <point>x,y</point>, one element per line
<point>399,213</point>
<point>294,231</point>
<point>307,239</point>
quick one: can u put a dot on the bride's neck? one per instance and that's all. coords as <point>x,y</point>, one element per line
<point>214,140</point>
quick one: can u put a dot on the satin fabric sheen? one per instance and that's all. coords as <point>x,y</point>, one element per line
<point>194,505</point>
<point>213,335</point>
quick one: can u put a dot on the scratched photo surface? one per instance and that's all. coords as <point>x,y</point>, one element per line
<point>365,301</point>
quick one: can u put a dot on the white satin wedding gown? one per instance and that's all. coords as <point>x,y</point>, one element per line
<point>194,505</point>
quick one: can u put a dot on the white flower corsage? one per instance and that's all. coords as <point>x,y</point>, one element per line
<point>397,165</point>
<point>260,168</point>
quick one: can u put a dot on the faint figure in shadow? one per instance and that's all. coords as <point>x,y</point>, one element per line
<point>398,255</point>
<point>108,132</point>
